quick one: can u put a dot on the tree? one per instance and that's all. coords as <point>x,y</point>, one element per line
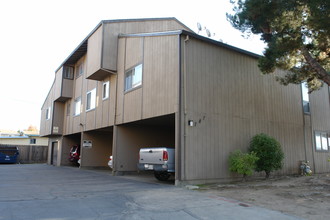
<point>297,34</point>
<point>269,152</point>
<point>242,163</point>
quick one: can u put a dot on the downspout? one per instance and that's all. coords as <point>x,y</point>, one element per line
<point>183,108</point>
<point>304,122</point>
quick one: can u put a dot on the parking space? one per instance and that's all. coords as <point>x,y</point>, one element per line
<point>131,137</point>
<point>43,192</point>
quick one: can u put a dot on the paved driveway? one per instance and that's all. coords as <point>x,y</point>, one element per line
<point>45,192</point>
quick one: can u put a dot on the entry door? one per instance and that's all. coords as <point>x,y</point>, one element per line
<point>54,153</point>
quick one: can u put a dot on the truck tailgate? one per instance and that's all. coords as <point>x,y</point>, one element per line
<point>152,155</point>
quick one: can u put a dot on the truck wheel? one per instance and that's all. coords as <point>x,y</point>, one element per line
<point>162,176</point>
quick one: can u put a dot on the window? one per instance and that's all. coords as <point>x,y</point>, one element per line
<point>33,141</point>
<point>68,72</point>
<point>80,69</point>
<point>77,106</point>
<point>321,141</point>
<point>91,100</point>
<point>48,113</point>
<point>133,77</point>
<point>105,90</point>
<point>305,97</point>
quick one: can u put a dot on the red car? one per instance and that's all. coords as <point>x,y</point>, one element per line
<point>74,154</point>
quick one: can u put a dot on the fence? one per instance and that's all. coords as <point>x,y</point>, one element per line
<point>31,153</point>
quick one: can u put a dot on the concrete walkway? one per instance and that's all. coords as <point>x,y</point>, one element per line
<point>43,192</point>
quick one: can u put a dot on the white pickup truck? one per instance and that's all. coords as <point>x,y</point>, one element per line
<point>161,160</point>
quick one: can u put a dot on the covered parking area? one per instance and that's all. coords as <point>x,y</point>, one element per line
<point>96,148</point>
<point>130,137</point>
<point>69,141</point>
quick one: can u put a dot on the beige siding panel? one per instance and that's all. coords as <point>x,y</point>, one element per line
<point>133,105</point>
<point>67,88</point>
<point>90,120</point>
<point>320,111</point>
<point>76,127</point>
<point>58,83</point>
<point>45,125</point>
<point>58,118</point>
<point>94,51</point>
<point>106,108</point>
<point>100,104</point>
<point>159,92</point>
<point>134,52</point>
<point>160,75</point>
<point>67,118</point>
<point>111,31</point>
<point>120,81</point>
<point>90,116</point>
<point>112,102</point>
<point>230,102</point>
<point>98,154</point>
<point>110,38</point>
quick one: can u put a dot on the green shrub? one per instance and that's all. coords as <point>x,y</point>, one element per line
<point>269,152</point>
<point>242,163</point>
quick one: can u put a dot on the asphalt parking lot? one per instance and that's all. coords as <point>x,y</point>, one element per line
<point>43,192</point>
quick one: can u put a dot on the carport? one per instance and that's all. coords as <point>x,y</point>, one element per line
<point>130,137</point>
<point>67,142</point>
<point>96,147</point>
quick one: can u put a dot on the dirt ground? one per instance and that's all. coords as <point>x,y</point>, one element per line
<point>303,196</point>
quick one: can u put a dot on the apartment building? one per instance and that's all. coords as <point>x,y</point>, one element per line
<point>154,82</point>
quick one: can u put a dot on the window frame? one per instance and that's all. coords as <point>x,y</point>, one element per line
<point>77,107</point>
<point>68,72</point>
<point>105,90</point>
<point>33,141</point>
<point>48,113</point>
<point>130,73</point>
<point>80,69</point>
<point>305,98</point>
<point>319,144</point>
<point>91,104</point>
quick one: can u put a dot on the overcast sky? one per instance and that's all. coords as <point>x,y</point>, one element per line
<point>38,35</point>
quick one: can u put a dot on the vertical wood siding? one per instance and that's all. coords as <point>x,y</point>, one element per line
<point>158,94</point>
<point>106,51</point>
<point>230,102</point>
<point>320,115</point>
<point>94,50</point>
<point>161,73</point>
<point>111,31</point>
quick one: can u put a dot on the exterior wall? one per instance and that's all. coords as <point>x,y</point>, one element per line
<point>110,37</point>
<point>58,118</point>
<point>222,92</point>
<point>54,148</point>
<point>102,55</point>
<point>94,52</point>
<point>100,117</point>
<point>230,101</point>
<point>320,115</point>
<point>63,87</point>
<point>24,141</point>
<point>103,44</point>
<point>58,83</point>
<point>98,154</point>
<point>158,94</point>
<point>46,124</point>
